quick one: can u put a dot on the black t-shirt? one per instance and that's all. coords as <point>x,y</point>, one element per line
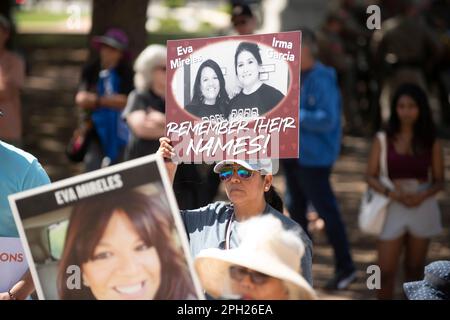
<point>145,101</point>
<point>90,76</point>
<point>207,112</point>
<point>255,104</point>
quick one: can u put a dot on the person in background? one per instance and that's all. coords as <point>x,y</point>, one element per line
<point>145,115</point>
<point>12,77</point>
<point>416,167</point>
<point>145,109</point>
<point>332,52</point>
<point>249,188</point>
<point>19,171</point>
<point>264,267</point>
<point>405,49</point>
<point>105,85</point>
<point>243,20</point>
<point>307,178</point>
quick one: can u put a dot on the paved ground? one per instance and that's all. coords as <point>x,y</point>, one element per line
<point>50,117</point>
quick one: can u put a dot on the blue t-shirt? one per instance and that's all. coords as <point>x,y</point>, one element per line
<point>320,114</point>
<point>19,171</point>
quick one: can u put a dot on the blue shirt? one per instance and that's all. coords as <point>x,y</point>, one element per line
<point>19,171</point>
<point>111,129</point>
<point>320,117</point>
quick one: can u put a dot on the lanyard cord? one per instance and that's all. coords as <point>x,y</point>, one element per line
<point>228,232</point>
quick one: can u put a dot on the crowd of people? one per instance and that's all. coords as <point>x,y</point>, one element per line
<point>268,254</point>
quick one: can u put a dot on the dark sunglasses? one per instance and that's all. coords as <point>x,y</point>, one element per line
<point>238,273</point>
<point>227,172</point>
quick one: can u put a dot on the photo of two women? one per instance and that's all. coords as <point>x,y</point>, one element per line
<point>235,80</point>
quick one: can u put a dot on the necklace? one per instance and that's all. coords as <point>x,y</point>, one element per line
<point>228,232</point>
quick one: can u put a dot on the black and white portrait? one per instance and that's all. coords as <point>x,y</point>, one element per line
<point>231,80</point>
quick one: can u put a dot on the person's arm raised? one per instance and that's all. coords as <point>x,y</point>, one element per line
<point>167,151</point>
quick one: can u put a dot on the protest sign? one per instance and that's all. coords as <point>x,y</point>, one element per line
<point>234,97</point>
<point>13,263</point>
<point>114,233</point>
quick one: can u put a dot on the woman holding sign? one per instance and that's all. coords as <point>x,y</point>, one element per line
<point>256,98</point>
<point>124,243</point>
<point>210,98</point>
<point>249,188</point>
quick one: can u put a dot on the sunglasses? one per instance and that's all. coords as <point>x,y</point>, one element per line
<point>238,273</point>
<point>227,172</point>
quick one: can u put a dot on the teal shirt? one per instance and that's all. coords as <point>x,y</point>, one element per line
<point>19,171</point>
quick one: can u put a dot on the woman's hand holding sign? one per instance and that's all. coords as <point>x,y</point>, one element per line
<point>167,151</point>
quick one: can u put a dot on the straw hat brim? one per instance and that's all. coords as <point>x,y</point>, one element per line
<point>212,266</point>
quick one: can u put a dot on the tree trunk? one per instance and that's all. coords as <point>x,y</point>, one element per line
<point>130,16</point>
<point>6,7</point>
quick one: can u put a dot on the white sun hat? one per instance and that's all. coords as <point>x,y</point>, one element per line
<point>265,247</point>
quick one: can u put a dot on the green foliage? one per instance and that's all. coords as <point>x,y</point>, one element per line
<point>170,25</point>
<point>225,8</point>
<point>39,17</point>
<point>174,3</point>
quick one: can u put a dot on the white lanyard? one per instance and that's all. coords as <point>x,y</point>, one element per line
<point>228,232</point>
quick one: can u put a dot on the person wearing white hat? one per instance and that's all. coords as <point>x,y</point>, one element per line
<point>264,266</point>
<point>249,188</point>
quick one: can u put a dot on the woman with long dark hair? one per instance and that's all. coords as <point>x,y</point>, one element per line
<point>416,168</point>
<point>249,188</point>
<point>210,99</point>
<point>124,244</point>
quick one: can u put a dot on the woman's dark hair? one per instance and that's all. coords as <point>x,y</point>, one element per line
<point>424,131</point>
<point>273,199</point>
<point>250,47</point>
<point>222,98</point>
<point>153,222</point>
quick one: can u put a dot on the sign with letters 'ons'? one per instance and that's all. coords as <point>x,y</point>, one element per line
<point>110,234</point>
<point>234,97</point>
<point>13,263</point>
